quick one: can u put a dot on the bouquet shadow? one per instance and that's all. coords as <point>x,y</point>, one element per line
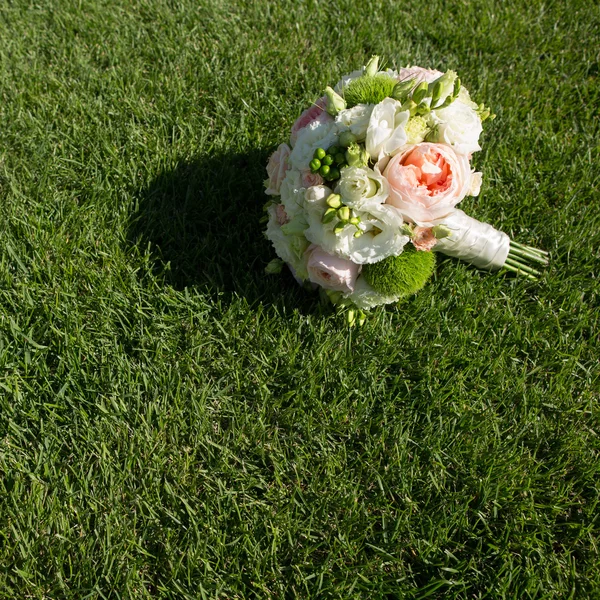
<point>202,223</point>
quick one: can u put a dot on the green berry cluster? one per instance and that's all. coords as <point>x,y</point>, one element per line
<point>344,214</point>
<point>328,163</point>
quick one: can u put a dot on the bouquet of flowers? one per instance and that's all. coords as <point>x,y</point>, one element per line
<point>368,186</point>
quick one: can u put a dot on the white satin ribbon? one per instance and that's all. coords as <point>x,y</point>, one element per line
<point>474,242</point>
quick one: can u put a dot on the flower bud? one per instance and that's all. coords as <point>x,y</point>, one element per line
<point>274,267</point>
<point>339,228</point>
<point>372,66</point>
<point>440,232</point>
<point>436,92</point>
<point>402,89</point>
<point>362,317</point>
<point>456,90</point>
<point>329,215</point>
<point>343,214</point>
<point>334,296</point>
<point>407,229</point>
<point>346,138</point>
<point>442,88</point>
<point>351,317</point>
<point>423,108</point>
<point>335,102</point>
<point>420,92</point>
<point>334,201</point>
<point>357,156</point>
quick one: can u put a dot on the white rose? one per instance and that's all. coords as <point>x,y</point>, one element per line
<point>317,134</point>
<point>386,131</point>
<point>459,126</point>
<point>290,248</point>
<point>361,187</point>
<point>355,119</point>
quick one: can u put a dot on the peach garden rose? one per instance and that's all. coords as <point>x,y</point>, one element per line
<point>427,181</point>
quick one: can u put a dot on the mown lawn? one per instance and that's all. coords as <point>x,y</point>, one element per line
<point>176,424</point>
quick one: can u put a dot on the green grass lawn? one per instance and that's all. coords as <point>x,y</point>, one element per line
<point>176,424</point>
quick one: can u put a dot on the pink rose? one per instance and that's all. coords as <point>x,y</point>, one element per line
<point>331,272</point>
<point>276,169</point>
<point>419,74</point>
<point>423,238</point>
<point>427,181</point>
<point>310,179</point>
<point>315,113</point>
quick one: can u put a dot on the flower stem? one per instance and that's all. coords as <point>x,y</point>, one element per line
<point>519,272</point>
<point>522,258</point>
<point>518,253</point>
<point>522,266</point>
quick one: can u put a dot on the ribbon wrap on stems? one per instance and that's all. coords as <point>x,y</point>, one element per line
<point>474,242</point>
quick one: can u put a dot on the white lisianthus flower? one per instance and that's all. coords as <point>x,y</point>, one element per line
<point>316,193</point>
<point>365,297</point>
<point>290,248</point>
<point>457,125</point>
<point>317,134</point>
<point>382,235</point>
<point>361,188</point>
<point>386,131</point>
<point>355,119</point>
<point>292,193</point>
<point>381,228</point>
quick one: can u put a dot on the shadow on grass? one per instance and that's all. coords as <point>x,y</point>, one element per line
<point>201,221</point>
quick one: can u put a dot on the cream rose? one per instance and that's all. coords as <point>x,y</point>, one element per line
<point>329,271</point>
<point>277,168</point>
<point>427,181</point>
<point>459,126</point>
<point>355,119</point>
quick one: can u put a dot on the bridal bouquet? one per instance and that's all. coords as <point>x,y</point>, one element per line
<point>368,186</point>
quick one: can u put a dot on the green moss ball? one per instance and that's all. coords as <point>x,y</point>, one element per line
<point>368,89</point>
<point>400,275</point>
